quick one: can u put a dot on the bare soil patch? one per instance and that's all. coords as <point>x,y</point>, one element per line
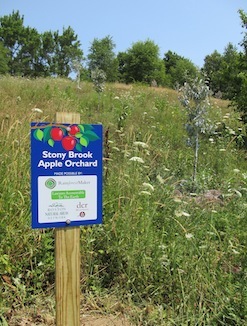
<point>86,320</point>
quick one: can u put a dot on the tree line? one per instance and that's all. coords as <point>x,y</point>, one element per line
<point>26,52</point>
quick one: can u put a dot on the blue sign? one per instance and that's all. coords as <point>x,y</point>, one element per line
<point>66,174</point>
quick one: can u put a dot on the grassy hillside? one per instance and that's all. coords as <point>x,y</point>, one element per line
<point>164,255</point>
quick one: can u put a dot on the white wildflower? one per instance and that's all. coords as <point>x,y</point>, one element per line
<point>181,213</point>
<point>188,235</point>
<point>136,159</point>
<point>144,192</point>
<point>244,175</point>
<point>140,144</point>
<point>181,271</point>
<point>116,148</point>
<point>238,193</point>
<point>231,131</point>
<point>185,214</point>
<point>177,200</point>
<point>160,179</point>
<point>178,213</point>
<point>37,110</point>
<point>148,186</point>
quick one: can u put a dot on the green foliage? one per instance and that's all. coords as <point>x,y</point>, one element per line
<point>101,56</point>
<point>32,54</point>
<point>3,59</point>
<point>170,257</point>
<point>98,78</point>
<point>195,99</point>
<point>141,63</point>
<point>66,51</point>
<point>243,17</point>
<point>222,72</point>
<point>179,69</point>
<point>239,98</point>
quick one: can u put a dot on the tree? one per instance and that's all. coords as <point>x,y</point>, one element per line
<point>12,36</point>
<point>98,77</point>
<point>178,68</point>
<point>45,63</point>
<point>66,51</point>
<point>194,96</point>
<point>240,97</point>
<point>222,71</point>
<point>243,17</point>
<point>101,56</point>
<point>141,63</point>
<point>3,59</point>
<point>27,57</point>
<point>33,54</point>
<point>211,69</point>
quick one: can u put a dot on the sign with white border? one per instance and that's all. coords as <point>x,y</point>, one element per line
<point>66,174</point>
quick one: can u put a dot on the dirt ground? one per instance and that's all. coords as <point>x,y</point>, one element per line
<point>104,321</point>
<point>86,320</point>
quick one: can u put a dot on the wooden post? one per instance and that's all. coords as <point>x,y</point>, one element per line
<point>67,254</point>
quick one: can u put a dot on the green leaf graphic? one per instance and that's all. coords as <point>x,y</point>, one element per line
<point>38,134</point>
<point>78,147</point>
<point>51,142</point>
<point>87,127</point>
<point>78,135</point>
<point>91,135</point>
<point>47,134</point>
<point>84,141</point>
<point>81,128</point>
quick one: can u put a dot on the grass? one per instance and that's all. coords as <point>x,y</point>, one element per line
<point>169,256</point>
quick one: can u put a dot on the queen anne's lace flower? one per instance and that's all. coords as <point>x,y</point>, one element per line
<point>136,159</point>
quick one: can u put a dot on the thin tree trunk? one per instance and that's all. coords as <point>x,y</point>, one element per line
<point>195,159</point>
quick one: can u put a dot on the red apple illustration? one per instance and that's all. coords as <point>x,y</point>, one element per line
<point>68,143</point>
<point>74,129</point>
<point>56,134</point>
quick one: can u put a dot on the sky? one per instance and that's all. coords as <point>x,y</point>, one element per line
<point>191,28</point>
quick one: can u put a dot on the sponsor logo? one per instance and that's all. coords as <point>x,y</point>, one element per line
<point>50,183</point>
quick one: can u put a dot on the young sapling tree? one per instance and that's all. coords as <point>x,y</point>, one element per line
<point>194,96</point>
<point>98,77</point>
<point>77,66</point>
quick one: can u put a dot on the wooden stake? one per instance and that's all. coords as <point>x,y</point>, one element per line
<point>67,254</point>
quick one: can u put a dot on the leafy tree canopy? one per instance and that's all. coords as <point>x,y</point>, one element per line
<point>34,54</point>
<point>3,59</point>
<point>101,56</point>
<point>240,96</point>
<point>141,63</point>
<point>178,68</point>
<point>222,71</point>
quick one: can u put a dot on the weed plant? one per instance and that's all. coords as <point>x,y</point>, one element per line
<point>170,256</point>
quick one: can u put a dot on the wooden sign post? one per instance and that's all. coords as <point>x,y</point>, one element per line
<point>66,191</point>
<point>67,254</point>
